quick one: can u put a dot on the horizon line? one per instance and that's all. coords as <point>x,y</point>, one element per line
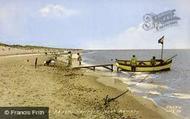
<point>25,45</point>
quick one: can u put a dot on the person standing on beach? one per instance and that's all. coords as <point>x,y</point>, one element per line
<point>79,58</point>
<point>133,63</point>
<point>69,59</point>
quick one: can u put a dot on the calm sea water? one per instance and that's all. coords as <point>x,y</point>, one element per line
<point>170,90</point>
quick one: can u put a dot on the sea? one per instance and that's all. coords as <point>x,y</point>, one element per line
<point>169,90</point>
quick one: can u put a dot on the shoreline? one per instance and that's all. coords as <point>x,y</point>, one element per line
<point>68,93</point>
<point>120,86</point>
<point>108,75</point>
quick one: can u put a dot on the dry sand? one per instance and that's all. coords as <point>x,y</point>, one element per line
<point>69,94</point>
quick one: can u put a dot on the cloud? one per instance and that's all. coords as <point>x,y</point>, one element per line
<point>53,10</point>
<point>133,37</point>
<point>137,38</point>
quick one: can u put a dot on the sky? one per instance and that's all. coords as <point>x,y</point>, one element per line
<point>92,24</point>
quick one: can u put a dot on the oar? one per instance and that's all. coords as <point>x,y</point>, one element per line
<point>171,57</point>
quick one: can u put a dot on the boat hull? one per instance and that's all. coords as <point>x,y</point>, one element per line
<point>146,67</point>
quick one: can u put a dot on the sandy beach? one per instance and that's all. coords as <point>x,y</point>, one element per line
<point>69,93</point>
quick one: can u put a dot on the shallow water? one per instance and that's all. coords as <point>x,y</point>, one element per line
<point>169,90</point>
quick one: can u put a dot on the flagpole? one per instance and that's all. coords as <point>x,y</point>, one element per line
<point>162,51</point>
<point>162,42</point>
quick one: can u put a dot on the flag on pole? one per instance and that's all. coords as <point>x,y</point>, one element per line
<point>161,40</point>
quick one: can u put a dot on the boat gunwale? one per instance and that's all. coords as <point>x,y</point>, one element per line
<point>161,64</point>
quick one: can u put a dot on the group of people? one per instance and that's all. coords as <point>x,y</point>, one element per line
<point>69,59</point>
<point>133,62</point>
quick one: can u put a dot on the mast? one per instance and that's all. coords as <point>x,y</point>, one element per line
<point>162,51</point>
<point>161,41</point>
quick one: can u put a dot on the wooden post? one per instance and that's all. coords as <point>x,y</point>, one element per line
<point>117,69</point>
<point>36,62</point>
<point>93,68</point>
<point>112,68</point>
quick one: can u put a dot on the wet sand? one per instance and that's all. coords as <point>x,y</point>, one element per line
<point>69,94</point>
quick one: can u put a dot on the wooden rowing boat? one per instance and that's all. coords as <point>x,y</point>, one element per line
<point>145,66</point>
